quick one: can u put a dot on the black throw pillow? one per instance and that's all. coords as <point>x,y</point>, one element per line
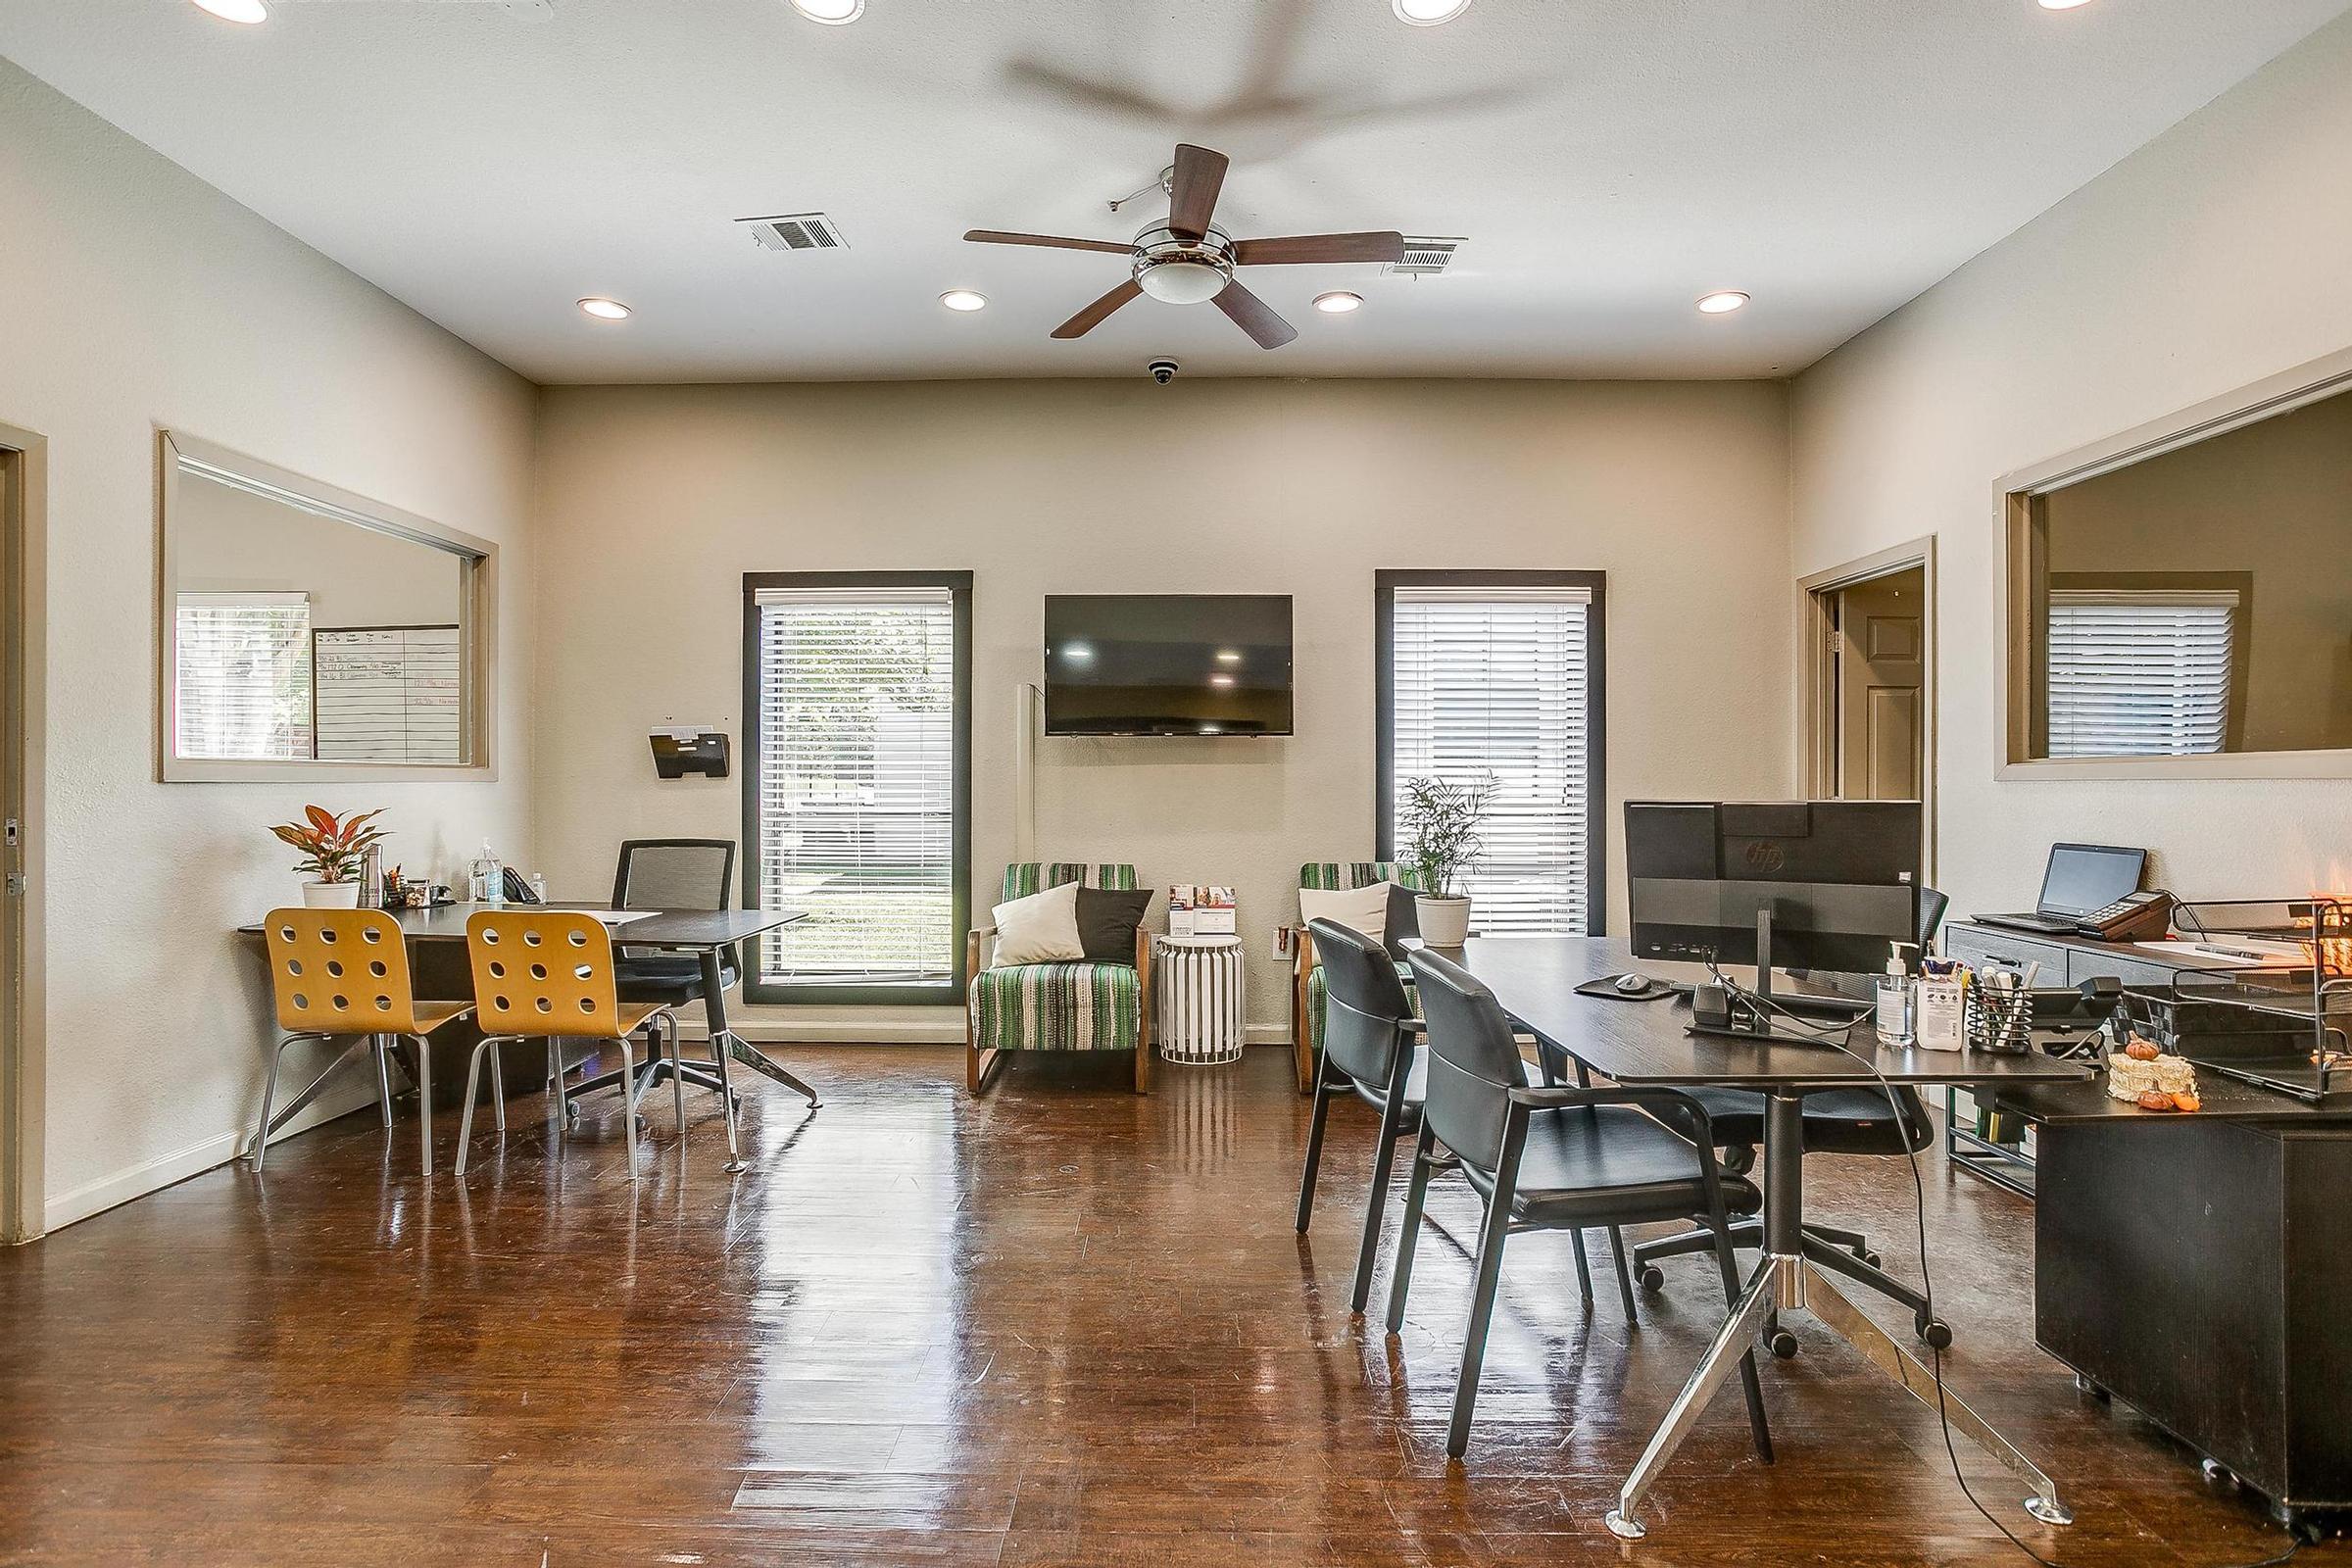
<point>1404,920</point>
<point>1107,918</point>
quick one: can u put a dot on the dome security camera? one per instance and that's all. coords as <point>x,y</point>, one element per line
<point>1162,371</point>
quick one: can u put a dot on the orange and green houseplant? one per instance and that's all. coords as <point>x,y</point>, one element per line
<point>331,849</point>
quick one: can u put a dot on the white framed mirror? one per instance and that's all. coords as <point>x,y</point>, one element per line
<point>2180,597</point>
<point>307,632</point>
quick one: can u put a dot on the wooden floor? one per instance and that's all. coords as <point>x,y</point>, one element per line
<point>1061,1325</point>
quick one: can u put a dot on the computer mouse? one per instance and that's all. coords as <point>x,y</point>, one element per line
<point>1630,984</point>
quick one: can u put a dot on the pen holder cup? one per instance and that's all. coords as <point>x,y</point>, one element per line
<point>1997,1021</point>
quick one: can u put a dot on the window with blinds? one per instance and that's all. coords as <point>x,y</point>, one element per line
<point>1495,681</point>
<point>2139,672</point>
<point>242,688</point>
<point>856,798</point>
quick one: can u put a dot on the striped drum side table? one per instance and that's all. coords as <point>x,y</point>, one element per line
<point>1200,984</point>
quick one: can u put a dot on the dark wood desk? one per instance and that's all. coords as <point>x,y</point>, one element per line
<point>1535,979</point>
<point>706,933</point>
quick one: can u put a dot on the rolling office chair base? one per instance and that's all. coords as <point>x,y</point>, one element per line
<point>1789,1282</point>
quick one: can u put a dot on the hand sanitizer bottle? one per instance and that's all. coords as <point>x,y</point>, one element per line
<point>1897,1000</point>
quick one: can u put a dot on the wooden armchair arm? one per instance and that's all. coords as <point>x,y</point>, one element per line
<point>975,944</point>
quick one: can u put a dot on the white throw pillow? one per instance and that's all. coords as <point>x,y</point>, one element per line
<point>1365,910</point>
<point>1042,928</point>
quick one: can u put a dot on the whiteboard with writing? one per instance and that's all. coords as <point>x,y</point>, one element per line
<point>388,693</point>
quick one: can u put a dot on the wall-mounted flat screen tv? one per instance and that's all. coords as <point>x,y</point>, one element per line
<point>1167,664</point>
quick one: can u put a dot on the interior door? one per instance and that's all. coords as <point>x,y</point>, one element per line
<point>1882,671</point>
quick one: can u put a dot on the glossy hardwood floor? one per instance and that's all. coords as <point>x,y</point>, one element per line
<point>1063,1325</point>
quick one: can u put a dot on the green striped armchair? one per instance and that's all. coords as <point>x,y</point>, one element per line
<point>1056,1006</point>
<point>1306,975</point>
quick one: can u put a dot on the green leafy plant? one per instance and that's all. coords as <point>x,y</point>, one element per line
<point>1441,822</point>
<point>331,848</point>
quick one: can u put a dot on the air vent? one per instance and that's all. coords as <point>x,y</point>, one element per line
<point>795,232</point>
<point>1426,256</point>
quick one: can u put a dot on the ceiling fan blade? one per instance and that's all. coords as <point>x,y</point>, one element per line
<point>1255,316</point>
<point>1094,314</point>
<point>992,236</point>
<point>1193,192</point>
<point>1291,249</point>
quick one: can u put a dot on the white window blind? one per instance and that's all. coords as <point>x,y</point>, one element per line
<point>857,805</point>
<point>2139,672</point>
<point>1491,681</point>
<point>242,690</point>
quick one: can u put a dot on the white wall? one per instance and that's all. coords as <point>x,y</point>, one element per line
<point>2215,256</point>
<point>134,297</point>
<point>655,500</point>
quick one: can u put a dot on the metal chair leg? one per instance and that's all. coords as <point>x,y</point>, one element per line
<point>628,1109</point>
<point>497,1089</point>
<point>1625,1278</point>
<point>474,1089</point>
<point>1583,1271</point>
<point>261,1135</point>
<point>1314,1150</point>
<point>1759,1431</point>
<point>677,1080</point>
<point>1376,1201</point>
<point>424,1103</point>
<point>1416,1195</point>
<point>1491,1234</point>
<point>383,1080</point>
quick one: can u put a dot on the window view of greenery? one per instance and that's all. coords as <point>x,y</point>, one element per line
<point>857,785</point>
<point>2200,600</point>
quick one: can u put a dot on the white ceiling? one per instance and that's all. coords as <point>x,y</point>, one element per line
<point>491,160</point>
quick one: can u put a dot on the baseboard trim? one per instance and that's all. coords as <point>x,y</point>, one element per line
<point>154,1175</point>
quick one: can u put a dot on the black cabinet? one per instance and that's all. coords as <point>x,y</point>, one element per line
<point>2195,1268</point>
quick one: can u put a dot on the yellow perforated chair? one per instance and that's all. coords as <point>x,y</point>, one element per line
<point>547,975</point>
<point>343,974</point>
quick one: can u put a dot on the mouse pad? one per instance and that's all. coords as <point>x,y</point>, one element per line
<point>1606,986</point>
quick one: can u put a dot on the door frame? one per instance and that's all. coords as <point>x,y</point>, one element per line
<point>1817,675</point>
<point>24,508</point>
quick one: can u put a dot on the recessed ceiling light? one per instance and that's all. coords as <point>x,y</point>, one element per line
<point>2062,5</point>
<point>832,13</point>
<point>1339,302</point>
<point>1220,680</point>
<point>1429,13</point>
<point>605,310</point>
<point>963,299</point>
<point>1722,302</point>
<point>245,11</point>
<point>1229,655</point>
<point>1077,650</point>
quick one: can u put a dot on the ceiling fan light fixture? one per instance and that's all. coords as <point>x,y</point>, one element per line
<point>963,299</point>
<point>1182,282</point>
<point>605,310</point>
<point>1429,13</point>
<point>1339,302</point>
<point>831,13</point>
<point>1723,302</point>
<point>247,12</point>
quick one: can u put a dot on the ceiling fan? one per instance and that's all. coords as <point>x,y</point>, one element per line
<point>1187,259</point>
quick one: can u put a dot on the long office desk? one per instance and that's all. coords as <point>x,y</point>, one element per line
<point>705,933</point>
<point>1648,1043</point>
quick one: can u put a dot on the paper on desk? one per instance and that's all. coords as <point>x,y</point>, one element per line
<point>2234,953</point>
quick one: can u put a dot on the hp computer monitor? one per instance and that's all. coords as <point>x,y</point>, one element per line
<point>1837,879</point>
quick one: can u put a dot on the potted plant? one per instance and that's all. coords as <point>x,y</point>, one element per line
<point>1441,822</point>
<point>333,850</point>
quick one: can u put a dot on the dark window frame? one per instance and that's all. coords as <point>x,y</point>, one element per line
<point>1384,583</point>
<point>959,587</point>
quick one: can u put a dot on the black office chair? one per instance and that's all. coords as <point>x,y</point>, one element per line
<point>669,874</point>
<point>1550,1158</point>
<point>1836,1122</point>
<point>1371,1053</point>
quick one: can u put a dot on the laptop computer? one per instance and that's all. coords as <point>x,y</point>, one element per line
<point>2080,879</point>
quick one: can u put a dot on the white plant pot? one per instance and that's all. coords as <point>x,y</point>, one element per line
<point>330,895</point>
<point>1445,922</point>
